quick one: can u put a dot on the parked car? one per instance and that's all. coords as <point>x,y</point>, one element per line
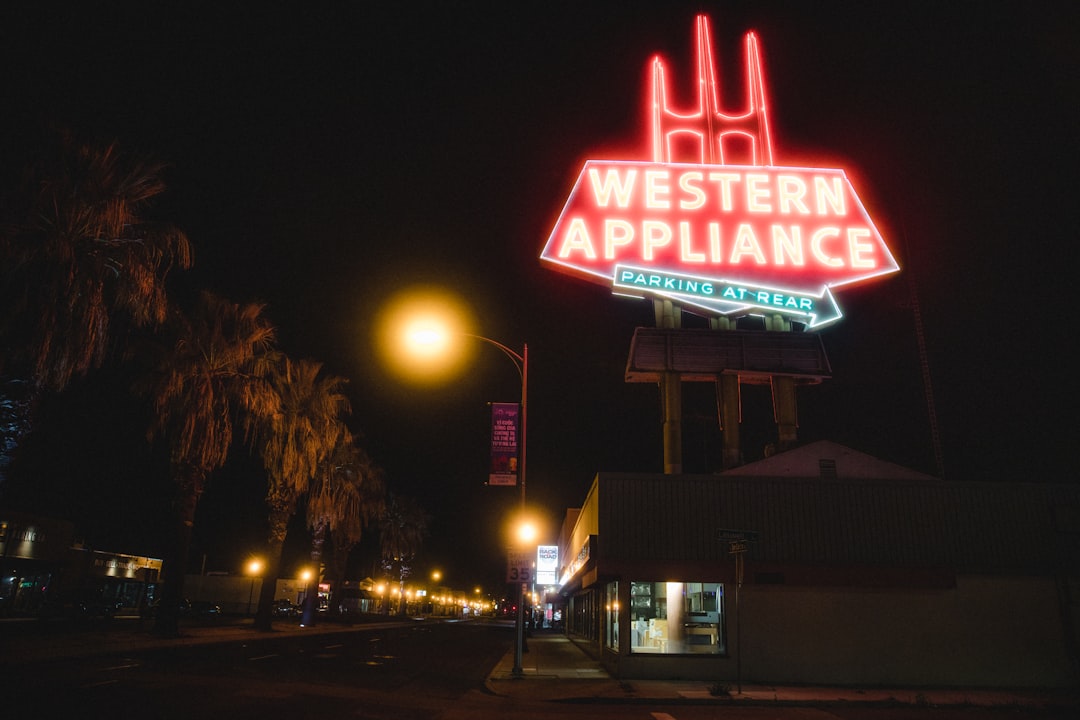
<point>199,608</point>
<point>84,602</point>
<point>284,608</point>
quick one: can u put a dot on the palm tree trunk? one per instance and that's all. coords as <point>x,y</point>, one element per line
<point>311,596</point>
<point>189,483</point>
<point>279,528</point>
<point>339,556</point>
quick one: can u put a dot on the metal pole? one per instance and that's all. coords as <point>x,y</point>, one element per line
<point>524,414</point>
<point>738,621</point>
<point>519,641</point>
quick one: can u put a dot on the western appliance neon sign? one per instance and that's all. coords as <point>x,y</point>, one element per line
<point>718,238</point>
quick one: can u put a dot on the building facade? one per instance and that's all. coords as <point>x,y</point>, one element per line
<point>826,565</point>
<point>43,571</point>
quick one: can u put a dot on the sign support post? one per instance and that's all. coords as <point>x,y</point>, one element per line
<point>519,572</point>
<point>737,541</point>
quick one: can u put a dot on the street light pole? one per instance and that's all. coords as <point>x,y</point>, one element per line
<point>519,650</point>
<point>524,414</point>
<point>428,334</point>
<point>521,362</point>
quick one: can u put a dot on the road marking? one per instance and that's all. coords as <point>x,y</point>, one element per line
<point>99,684</point>
<point>264,657</point>
<point>119,667</point>
<point>331,647</point>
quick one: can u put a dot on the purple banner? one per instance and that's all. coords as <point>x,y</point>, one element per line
<point>504,443</point>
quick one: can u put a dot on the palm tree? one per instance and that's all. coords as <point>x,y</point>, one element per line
<point>346,536</point>
<point>213,370</point>
<point>332,497</point>
<point>77,257</point>
<point>293,441</point>
<point>402,528</point>
<point>346,496</point>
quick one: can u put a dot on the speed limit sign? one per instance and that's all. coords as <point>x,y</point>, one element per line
<point>519,567</point>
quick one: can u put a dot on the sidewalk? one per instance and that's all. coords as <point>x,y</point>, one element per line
<point>555,668</point>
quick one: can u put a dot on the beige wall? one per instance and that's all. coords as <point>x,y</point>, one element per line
<point>585,523</point>
<point>933,638</point>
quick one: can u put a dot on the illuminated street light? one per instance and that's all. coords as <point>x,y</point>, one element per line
<point>384,603</point>
<point>311,597</point>
<point>425,324</point>
<point>415,336</point>
<point>427,339</point>
<point>526,532</point>
<point>254,567</point>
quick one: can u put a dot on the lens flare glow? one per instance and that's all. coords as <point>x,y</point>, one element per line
<point>420,335</point>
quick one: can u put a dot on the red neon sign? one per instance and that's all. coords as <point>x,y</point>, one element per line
<point>720,238</point>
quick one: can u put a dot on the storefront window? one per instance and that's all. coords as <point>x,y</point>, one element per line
<point>611,615</point>
<point>677,618</point>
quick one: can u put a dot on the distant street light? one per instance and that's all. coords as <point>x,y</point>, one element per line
<point>254,567</point>
<point>311,597</point>
<point>438,600</point>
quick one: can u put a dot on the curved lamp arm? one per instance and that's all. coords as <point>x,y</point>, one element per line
<point>521,362</point>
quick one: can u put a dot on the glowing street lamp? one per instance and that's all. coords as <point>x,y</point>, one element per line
<point>526,532</point>
<point>254,567</point>
<point>425,338</point>
<point>425,323</point>
<point>438,600</point>
<point>311,597</point>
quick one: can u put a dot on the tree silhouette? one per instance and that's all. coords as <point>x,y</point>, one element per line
<point>402,529</point>
<point>79,260</point>
<point>293,441</point>
<point>211,369</point>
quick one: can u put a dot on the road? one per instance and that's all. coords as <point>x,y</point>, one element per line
<point>430,671</point>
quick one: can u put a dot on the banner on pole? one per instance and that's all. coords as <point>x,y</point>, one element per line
<point>504,443</point>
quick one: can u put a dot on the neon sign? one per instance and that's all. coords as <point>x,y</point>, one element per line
<point>719,238</point>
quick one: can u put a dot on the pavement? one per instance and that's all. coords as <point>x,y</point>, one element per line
<point>555,668</point>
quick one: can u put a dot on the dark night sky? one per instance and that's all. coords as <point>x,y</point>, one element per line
<point>324,155</point>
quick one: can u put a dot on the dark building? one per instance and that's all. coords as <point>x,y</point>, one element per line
<point>853,571</point>
<point>43,571</point>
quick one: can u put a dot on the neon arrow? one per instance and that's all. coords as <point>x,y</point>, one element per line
<point>728,297</point>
